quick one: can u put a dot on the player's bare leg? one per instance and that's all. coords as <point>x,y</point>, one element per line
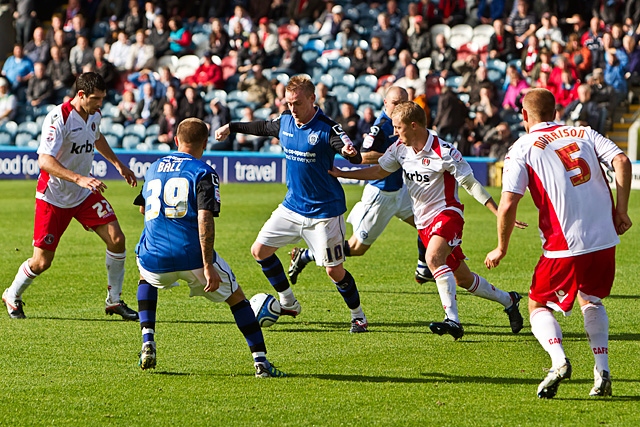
<point>116,254</point>
<point>274,271</point>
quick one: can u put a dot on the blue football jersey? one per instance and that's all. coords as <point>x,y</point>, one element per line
<point>380,138</point>
<point>309,150</point>
<point>175,188</point>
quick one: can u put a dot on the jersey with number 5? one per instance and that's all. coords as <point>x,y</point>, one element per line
<point>561,167</point>
<point>175,188</point>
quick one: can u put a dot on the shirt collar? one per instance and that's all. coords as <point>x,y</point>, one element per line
<point>542,126</point>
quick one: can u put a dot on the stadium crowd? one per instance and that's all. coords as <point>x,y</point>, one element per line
<point>467,64</point>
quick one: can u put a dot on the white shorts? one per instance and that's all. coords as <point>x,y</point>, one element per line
<point>370,216</point>
<point>195,280</point>
<point>323,236</point>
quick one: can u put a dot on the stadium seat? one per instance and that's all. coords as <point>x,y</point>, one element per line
<point>310,56</point>
<point>440,29</point>
<point>22,139</point>
<point>160,147</point>
<point>495,76</point>
<point>109,110</point>
<point>115,129</point>
<point>237,95</point>
<point>216,93</point>
<point>337,73</point>
<point>314,44</point>
<point>375,99</point>
<point>511,117</point>
<point>189,60</point>
<point>201,43</point>
<point>484,30</point>
<point>497,64</point>
<point>130,142</point>
<point>453,82</point>
<point>424,66</point>
<point>29,127</point>
<point>6,138</point>
<point>363,91</point>
<point>343,62</point>
<point>40,120</point>
<point>170,61</point>
<point>464,97</point>
<point>9,127</point>
<point>262,113</point>
<point>349,80</point>
<point>327,79</point>
<point>367,80</point>
<point>135,129</point>
<point>323,62</point>
<point>281,77</point>
<point>153,130</point>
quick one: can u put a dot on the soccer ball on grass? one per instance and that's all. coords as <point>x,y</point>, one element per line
<point>266,309</point>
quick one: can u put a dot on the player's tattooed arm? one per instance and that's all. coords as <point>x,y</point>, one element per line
<point>206,231</point>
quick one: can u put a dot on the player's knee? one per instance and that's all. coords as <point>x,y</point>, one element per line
<point>117,243</point>
<point>336,273</point>
<point>40,264</point>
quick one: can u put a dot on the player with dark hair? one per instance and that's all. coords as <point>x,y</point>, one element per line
<point>179,200</point>
<point>314,205</point>
<point>66,190</point>
<point>579,225</point>
<point>382,199</point>
<point>433,169</point>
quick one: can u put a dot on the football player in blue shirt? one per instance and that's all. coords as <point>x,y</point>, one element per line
<point>179,200</point>
<point>314,205</point>
<point>382,199</point>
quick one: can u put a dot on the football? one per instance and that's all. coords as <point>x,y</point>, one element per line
<point>266,309</point>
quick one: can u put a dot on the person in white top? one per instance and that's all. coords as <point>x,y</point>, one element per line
<point>66,190</point>
<point>432,170</point>
<point>579,226</point>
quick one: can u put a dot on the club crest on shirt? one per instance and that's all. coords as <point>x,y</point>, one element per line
<point>426,162</point>
<point>313,139</point>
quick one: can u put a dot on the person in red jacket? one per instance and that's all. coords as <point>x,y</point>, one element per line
<point>208,75</point>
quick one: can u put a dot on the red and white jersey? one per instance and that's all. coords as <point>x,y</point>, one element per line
<point>68,138</point>
<point>561,166</point>
<point>431,176</point>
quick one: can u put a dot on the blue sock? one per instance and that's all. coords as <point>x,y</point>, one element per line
<point>347,248</point>
<point>349,291</point>
<point>272,268</point>
<point>147,304</point>
<point>250,328</point>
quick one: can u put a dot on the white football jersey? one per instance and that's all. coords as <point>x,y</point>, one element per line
<point>68,138</point>
<point>431,176</point>
<point>561,166</point>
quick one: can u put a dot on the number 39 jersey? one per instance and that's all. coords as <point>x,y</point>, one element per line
<point>561,166</point>
<point>175,188</point>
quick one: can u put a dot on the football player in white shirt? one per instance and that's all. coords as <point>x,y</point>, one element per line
<point>579,226</point>
<point>432,171</point>
<point>66,190</point>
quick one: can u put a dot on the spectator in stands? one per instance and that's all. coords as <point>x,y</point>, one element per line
<point>348,38</point>
<point>422,101</point>
<point>268,35</point>
<point>466,68</point>
<point>412,79</point>
<point>490,10</point>
<point>632,73</point>
<point>79,28</point>
<point>607,45</point>
<point>190,105</point>
<point>80,55</point>
<point>305,11</point>
<point>562,64</point>
<point>543,65</point>
<point>60,40</point>
<point>530,54</point>
<point>378,62</point>
<point>442,57</point>
<point>244,142</point>
<point>278,11</point>
<point>364,126</point>
<point>207,76</point>
<point>348,119</point>
<point>259,90</point>
<point>394,13</point>
<point>179,37</point>
<point>451,116</point>
<point>610,11</point>
<point>616,35</point>
<point>237,37</point>
<point>601,93</point>
<point>37,50</point>
<point>25,17</point>
<point>291,61</point>
<point>522,24</point>
<point>141,54</point>
<point>8,102</point>
<point>168,124</point>
<point>127,109</point>
<point>324,18</point>
<point>148,108</point>
<point>40,87</point>
<point>171,95</point>
<point>579,56</point>
<point>159,37</point>
<point>502,43</point>
<point>56,24</point>
<point>329,28</point>
<point>327,103</point>
<point>390,37</point>
<point>165,79</point>
<point>404,59</point>
<point>105,68</point>
<point>18,69</point>
<point>240,15</point>
<point>544,83</point>
<point>59,70</point>
<point>407,22</point>
<point>132,21</point>
<point>614,76</point>
<point>497,142</point>
<point>251,54</point>
<point>72,9</point>
<point>119,51</point>
<point>583,111</point>
<point>567,91</point>
<point>219,117</point>
<point>419,40</point>
<point>151,12</point>
<point>592,40</point>
<point>452,12</point>
<point>358,62</point>
<point>515,91</point>
<point>548,32</point>
<point>472,135</point>
<point>486,103</point>
<point>218,39</point>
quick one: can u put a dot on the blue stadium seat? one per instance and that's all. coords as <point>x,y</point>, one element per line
<point>367,80</point>
<point>327,79</point>
<point>262,113</point>
<point>310,56</point>
<point>130,142</point>
<point>29,127</point>
<point>153,130</point>
<point>9,127</point>
<point>22,139</point>
<point>337,73</point>
<point>349,80</point>
<point>497,64</point>
<point>453,82</point>
<point>375,99</point>
<point>135,129</point>
<point>363,90</point>
<point>314,44</point>
<point>6,138</point>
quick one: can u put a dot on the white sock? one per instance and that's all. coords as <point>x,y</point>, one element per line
<point>357,313</point>
<point>546,329</point>
<point>596,325</point>
<point>446,284</point>
<point>483,289</point>
<point>21,282</point>
<point>286,297</point>
<point>115,275</point>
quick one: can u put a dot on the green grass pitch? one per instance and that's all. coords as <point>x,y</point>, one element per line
<point>69,364</point>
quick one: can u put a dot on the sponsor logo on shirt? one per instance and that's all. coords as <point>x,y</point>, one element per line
<point>79,149</point>
<point>289,134</point>
<point>417,177</point>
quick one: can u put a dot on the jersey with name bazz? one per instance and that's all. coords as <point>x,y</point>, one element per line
<point>561,166</point>
<point>379,138</point>
<point>175,188</point>
<point>70,139</point>
<point>431,176</point>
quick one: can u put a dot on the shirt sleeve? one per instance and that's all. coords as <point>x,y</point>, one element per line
<point>338,139</point>
<point>374,141</point>
<point>454,163</point>
<point>208,194</point>
<point>515,178</point>
<point>389,160</point>
<point>605,148</point>
<point>257,127</point>
<point>52,135</point>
